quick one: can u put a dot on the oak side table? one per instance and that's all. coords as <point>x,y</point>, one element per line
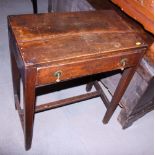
<point>55,47</point>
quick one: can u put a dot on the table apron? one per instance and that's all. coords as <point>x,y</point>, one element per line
<point>46,75</point>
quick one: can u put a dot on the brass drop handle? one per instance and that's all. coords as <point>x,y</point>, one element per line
<point>58,74</point>
<point>123,63</point>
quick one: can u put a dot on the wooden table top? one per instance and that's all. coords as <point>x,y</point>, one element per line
<point>57,38</point>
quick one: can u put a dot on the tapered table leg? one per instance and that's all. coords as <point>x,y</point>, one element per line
<point>29,105</point>
<point>122,85</point>
<point>15,78</point>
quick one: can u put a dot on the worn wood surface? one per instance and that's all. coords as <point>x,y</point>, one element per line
<point>143,12</point>
<point>109,5</point>
<point>89,36</point>
<point>134,105</point>
<point>50,48</point>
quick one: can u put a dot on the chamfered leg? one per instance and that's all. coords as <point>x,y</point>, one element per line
<point>122,85</point>
<point>29,105</point>
<point>15,79</point>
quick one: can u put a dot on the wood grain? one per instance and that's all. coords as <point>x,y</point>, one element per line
<point>73,45</point>
<point>141,11</point>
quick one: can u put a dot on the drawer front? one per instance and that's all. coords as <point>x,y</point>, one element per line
<point>53,74</point>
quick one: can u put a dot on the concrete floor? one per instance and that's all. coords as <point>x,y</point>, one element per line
<point>72,130</point>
